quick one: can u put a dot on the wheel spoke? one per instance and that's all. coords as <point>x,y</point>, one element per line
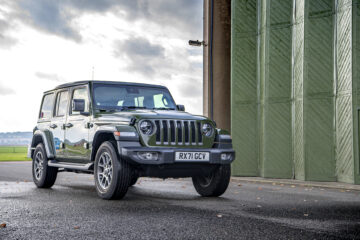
<point>104,170</point>
<point>38,165</point>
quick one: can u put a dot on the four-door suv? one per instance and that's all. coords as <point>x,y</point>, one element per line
<point>122,131</point>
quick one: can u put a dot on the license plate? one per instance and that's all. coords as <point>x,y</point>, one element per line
<point>192,156</point>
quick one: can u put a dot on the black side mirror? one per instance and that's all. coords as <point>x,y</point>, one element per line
<point>180,108</point>
<point>78,105</point>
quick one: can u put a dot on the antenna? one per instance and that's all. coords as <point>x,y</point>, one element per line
<point>92,73</point>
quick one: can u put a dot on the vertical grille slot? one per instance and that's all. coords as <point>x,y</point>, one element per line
<point>193,137</point>
<point>158,134</point>
<point>186,130</point>
<point>165,132</point>
<point>179,132</point>
<point>199,132</point>
<point>172,131</point>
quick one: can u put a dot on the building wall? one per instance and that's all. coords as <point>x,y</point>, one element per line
<point>295,89</point>
<point>217,37</point>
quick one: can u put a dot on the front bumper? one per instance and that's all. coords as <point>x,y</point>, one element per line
<point>167,155</point>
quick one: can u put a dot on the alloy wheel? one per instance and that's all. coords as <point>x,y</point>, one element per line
<point>38,165</point>
<point>105,170</point>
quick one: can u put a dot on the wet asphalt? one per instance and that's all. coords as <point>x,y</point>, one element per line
<point>171,209</point>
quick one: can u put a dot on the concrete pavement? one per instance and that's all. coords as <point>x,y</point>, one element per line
<point>171,209</point>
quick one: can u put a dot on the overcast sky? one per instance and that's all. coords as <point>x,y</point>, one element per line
<point>44,43</point>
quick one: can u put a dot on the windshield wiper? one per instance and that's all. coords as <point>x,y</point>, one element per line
<point>105,110</point>
<point>131,107</point>
<point>164,108</point>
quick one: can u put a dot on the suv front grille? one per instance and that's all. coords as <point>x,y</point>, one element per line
<point>178,132</point>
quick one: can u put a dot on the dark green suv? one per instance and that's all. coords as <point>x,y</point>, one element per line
<point>122,131</point>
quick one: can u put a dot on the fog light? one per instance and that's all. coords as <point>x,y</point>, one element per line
<point>225,156</point>
<point>148,156</point>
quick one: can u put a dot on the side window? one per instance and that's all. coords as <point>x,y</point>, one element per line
<point>61,103</point>
<point>81,93</point>
<point>46,106</point>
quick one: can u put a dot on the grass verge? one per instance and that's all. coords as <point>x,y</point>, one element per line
<point>13,153</point>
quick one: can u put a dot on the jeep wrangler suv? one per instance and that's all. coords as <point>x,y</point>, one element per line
<point>122,131</point>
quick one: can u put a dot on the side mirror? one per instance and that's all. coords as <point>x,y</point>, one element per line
<point>78,105</point>
<point>180,108</point>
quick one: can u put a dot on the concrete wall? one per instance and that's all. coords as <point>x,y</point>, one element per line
<point>217,60</point>
<point>295,88</point>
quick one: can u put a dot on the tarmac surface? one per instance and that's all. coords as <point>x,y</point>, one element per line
<point>171,209</point>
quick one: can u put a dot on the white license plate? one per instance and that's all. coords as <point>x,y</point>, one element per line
<point>192,156</point>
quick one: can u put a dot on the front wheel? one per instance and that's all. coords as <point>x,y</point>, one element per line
<point>134,179</point>
<point>112,174</point>
<point>215,184</point>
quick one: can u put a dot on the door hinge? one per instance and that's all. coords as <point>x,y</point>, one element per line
<point>88,125</point>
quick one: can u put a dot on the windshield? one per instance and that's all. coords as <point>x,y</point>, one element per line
<point>112,97</point>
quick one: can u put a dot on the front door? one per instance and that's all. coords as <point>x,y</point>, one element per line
<point>57,124</point>
<point>77,129</point>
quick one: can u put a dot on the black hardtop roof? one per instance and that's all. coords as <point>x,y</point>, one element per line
<point>71,84</point>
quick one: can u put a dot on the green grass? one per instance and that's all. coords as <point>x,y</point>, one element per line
<point>13,153</point>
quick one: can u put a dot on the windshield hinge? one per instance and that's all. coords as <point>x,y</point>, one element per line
<point>132,121</point>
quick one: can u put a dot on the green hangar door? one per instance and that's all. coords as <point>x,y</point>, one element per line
<point>294,86</point>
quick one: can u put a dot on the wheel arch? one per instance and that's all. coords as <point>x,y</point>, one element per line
<point>99,138</point>
<point>44,137</point>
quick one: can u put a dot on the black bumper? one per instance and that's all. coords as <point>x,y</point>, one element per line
<point>167,155</point>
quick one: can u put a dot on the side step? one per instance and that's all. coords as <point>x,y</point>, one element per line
<point>72,166</point>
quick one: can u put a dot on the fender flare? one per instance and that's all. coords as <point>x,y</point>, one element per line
<point>110,130</point>
<point>95,138</point>
<point>47,140</point>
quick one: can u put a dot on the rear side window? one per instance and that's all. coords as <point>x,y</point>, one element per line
<point>46,106</point>
<point>61,103</point>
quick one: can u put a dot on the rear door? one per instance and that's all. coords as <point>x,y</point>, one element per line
<point>57,126</point>
<point>46,111</point>
<point>77,128</point>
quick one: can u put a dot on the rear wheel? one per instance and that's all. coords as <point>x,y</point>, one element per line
<point>43,175</point>
<point>112,174</point>
<point>214,184</point>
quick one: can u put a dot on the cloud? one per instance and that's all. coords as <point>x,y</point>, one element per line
<point>191,88</point>
<point>58,17</point>
<point>49,16</point>
<point>6,91</point>
<point>101,6</point>
<point>48,76</point>
<point>142,55</point>
<point>5,40</point>
<point>181,14</point>
<point>177,13</point>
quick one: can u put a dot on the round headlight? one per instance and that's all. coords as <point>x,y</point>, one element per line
<point>207,129</point>
<point>146,127</point>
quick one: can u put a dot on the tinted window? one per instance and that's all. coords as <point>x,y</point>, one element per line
<point>122,97</point>
<point>61,103</point>
<point>81,93</point>
<point>46,106</point>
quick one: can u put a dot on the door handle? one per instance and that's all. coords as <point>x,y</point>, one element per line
<point>68,125</point>
<point>53,126</point>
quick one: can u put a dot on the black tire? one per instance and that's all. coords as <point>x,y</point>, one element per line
<point>215,184</point>
<point>134,179</point>
<point>43,175</point>
<point>120,176</point>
